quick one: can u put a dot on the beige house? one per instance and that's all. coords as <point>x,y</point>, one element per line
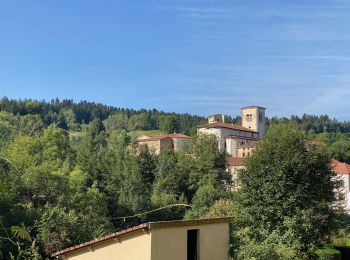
<point>156,143</point>
<point>235,164</point>
<point>176,141</point>
<point>204,239</point>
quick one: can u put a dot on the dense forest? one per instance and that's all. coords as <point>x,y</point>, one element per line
<point>69,171</point>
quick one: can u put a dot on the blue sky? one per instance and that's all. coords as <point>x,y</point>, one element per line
<point>201,57</point>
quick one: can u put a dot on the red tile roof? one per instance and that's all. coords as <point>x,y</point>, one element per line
<point>145,226</point>
<point>236,161</point>
<point>240,137</point>
<point>178,135</point>
<point>225,125</point>
<point>153,138</point>
<point>314,142</point>
<point>159,137</point>
<point>340,168</point>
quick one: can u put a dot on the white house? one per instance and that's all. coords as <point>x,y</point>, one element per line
<point>342,171</point>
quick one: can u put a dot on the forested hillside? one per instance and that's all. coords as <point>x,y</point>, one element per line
<point>71,116</point>
<point>69,171</point>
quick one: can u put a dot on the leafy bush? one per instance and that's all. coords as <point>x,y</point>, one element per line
<point>328,253</point>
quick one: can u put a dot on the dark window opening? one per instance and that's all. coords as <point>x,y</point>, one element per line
<point>192,244</point>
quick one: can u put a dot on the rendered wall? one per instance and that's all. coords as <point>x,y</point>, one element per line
<point>255,124</point>
<point>171,243</point>
<point>182,144</point>
<point>343,191</point>
<point>134,246</point>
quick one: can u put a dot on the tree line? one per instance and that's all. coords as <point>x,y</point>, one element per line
<point>71,116</point>
<point>63,190</point>
<point>59,188</point>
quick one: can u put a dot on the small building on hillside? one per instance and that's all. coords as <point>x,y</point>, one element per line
<point>246,149</point>
<point>342,171</point>
<point>156,143</point>
<point>202,239</point>
<point>176,141</point>
<point>311,144</point>
<point>235,164</point>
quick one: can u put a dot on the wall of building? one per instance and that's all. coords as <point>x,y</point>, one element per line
<point>245,151</point>
<point>166,143</point>
<point>153,146</point>
<point>182,144</point>
<point>171,243</point>
<point>220,133</point>
<point>343,192</point>
<point>231,146</point>
<point>133,246</point>
<point>255,124</point>
<point>234,171</point>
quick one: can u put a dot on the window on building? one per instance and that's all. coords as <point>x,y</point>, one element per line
<point>260,117</point>
<point>192,244</point>
<point>341,183</point>
<point>243,154</point>
<point>249,117</point>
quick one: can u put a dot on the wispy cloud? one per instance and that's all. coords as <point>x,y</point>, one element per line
<point>333,101</point>
<point>325,57</point>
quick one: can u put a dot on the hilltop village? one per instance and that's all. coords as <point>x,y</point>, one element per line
<point>239,142</point>
<point>88,175</point>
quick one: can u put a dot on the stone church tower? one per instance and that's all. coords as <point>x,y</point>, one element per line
<point>253,117</point>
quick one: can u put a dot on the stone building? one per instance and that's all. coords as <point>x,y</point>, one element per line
<point>231,136</point>
<point>246,149</point>
<point>239,141</point>
<point>204,239</point>
<point>176,141</point>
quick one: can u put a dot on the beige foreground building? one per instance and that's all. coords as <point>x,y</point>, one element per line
<point>204,239</point>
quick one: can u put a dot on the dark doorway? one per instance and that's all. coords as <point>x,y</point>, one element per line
<point>192,244</point>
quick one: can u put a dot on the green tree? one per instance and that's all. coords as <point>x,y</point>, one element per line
<point>169,124</point>
<point>117,121</point>
<point>208,163</point>
<point>134,191</point>
<point>283,207</point>
<point>207,195</point>
<point>139,122</point>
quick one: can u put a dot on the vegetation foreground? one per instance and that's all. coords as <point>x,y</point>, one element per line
<point>59,188</point>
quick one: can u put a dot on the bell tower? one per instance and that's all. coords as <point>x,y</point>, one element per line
<point>253,117</point>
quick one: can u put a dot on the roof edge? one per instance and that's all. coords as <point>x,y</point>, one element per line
<point>253,107</point>
<point>228,126</point>
<point>101,239</point>
<point>190,222</point>
<point>148,226</point>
